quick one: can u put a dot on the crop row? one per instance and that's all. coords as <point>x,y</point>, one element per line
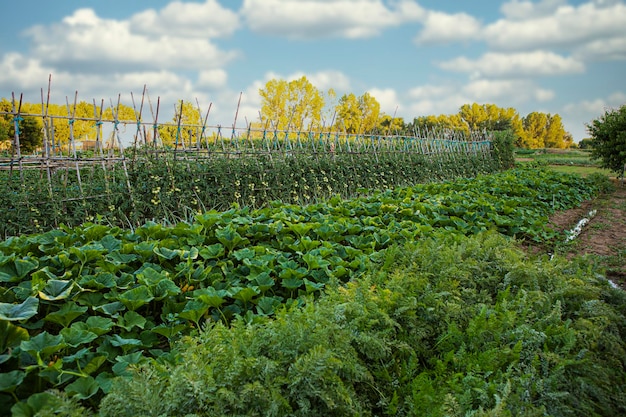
<point>79,304</point>
<point>164,189</point>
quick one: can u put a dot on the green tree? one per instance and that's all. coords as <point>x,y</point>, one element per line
<point>30,134</point>
<point>586,143</point>
<point>608,134</point>
<point>29,128</point>
<point>295,104</point>
<point>5,124</point>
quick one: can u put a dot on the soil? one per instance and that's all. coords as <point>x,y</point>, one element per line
<point>604,235</point>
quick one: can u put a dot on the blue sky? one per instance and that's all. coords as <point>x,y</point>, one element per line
<point>416,57</point>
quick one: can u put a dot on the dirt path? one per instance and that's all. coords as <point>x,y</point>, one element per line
<point>604,235</point>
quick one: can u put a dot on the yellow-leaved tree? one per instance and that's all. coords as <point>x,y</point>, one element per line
<point>185,127</point>
<point>291,105</point>
<point>357,114</point>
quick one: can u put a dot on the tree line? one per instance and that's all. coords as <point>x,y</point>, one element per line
<point>295,105</point>
<point>298,105</point>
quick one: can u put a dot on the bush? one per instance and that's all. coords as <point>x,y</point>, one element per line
<point>503,148</point>
<point>445,326</point>
<point>608,133</point>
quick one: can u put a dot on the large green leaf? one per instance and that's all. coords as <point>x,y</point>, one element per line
<point>16,312</point>
<point>125,343</point>
<point>131,319</point>
<point>83,388</point>
<point>118,258</point>
<point>194,310</point>
<point>75,337</point>
<point>245,294</point>
<point>292,283</point>
<point>149,276</point>
<point>136,297</point>
<point>11,380</point>
<point>169,330</point>
<point>94,364</point>
<point>211,296</point>
<point>98,281</point>
<point>44,343</point>
<point>166,253</point>
<point>215,251</point>
<point>229,237</point>
<point>300,229</point>
<point>56,289</point>
<point>164,288</point>
<point>111,309</point>
<point>88,253</point>
<point>124,361</point>
<point>34,404</point>
<point>66,314</point>
<point>110,243</point>
<point>96,324</point>
<point>24,266</point>
<point>11,336</point>
<point>315,261</point>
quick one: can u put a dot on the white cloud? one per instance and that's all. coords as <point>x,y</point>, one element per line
<point>541,94</point>
<point>445,99</point>
<point>309,19</point>
<point>213,78</point>
<point>442,27</point>
<point>18,71</point>
<point>603,49</point>
<point>322,80</point>
<point>505,93</point>
<point>388,99</point>
<point>567,27</point>
<point>577,115</point>
<point>198,20</point>
<point>522,10</point>
<point>591,109</point>
<point>521,64</point>
<point>87,43</point>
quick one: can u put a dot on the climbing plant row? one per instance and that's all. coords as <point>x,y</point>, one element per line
<point>174,187</point>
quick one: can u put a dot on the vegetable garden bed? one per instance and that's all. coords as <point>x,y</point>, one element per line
<point>81,304</point>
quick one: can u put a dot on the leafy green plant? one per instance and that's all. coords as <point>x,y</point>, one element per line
<point>446,325</point>
<point>81,304</point>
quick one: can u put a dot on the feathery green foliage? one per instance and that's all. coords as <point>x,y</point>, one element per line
<point>447,326</point>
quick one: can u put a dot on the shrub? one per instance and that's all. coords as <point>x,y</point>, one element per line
<point>608,133</point>
<point>446,326</point>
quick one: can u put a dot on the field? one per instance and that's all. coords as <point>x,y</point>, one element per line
<point>456,297</point>
<point>604,237</point>
<point>573,157</point>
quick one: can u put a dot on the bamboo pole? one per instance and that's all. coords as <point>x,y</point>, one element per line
<point>72,144</point>
<point>46,139</point>
<point>116,134</point>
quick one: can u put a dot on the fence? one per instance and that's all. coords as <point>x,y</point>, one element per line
<point>119,162</point>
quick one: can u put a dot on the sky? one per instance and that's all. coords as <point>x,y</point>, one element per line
<point>416,57</point>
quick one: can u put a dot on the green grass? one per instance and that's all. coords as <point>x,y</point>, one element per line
<point>581,170</point>
<point>557,156</point>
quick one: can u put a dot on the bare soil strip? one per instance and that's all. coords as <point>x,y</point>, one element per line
<point>605,234</point>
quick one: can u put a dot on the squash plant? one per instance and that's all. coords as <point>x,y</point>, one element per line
<point>79,305</point>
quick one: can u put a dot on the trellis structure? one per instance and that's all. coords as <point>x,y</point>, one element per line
<point>61,179</point>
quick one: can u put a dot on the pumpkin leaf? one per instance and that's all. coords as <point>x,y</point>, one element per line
<point>23,311</point>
